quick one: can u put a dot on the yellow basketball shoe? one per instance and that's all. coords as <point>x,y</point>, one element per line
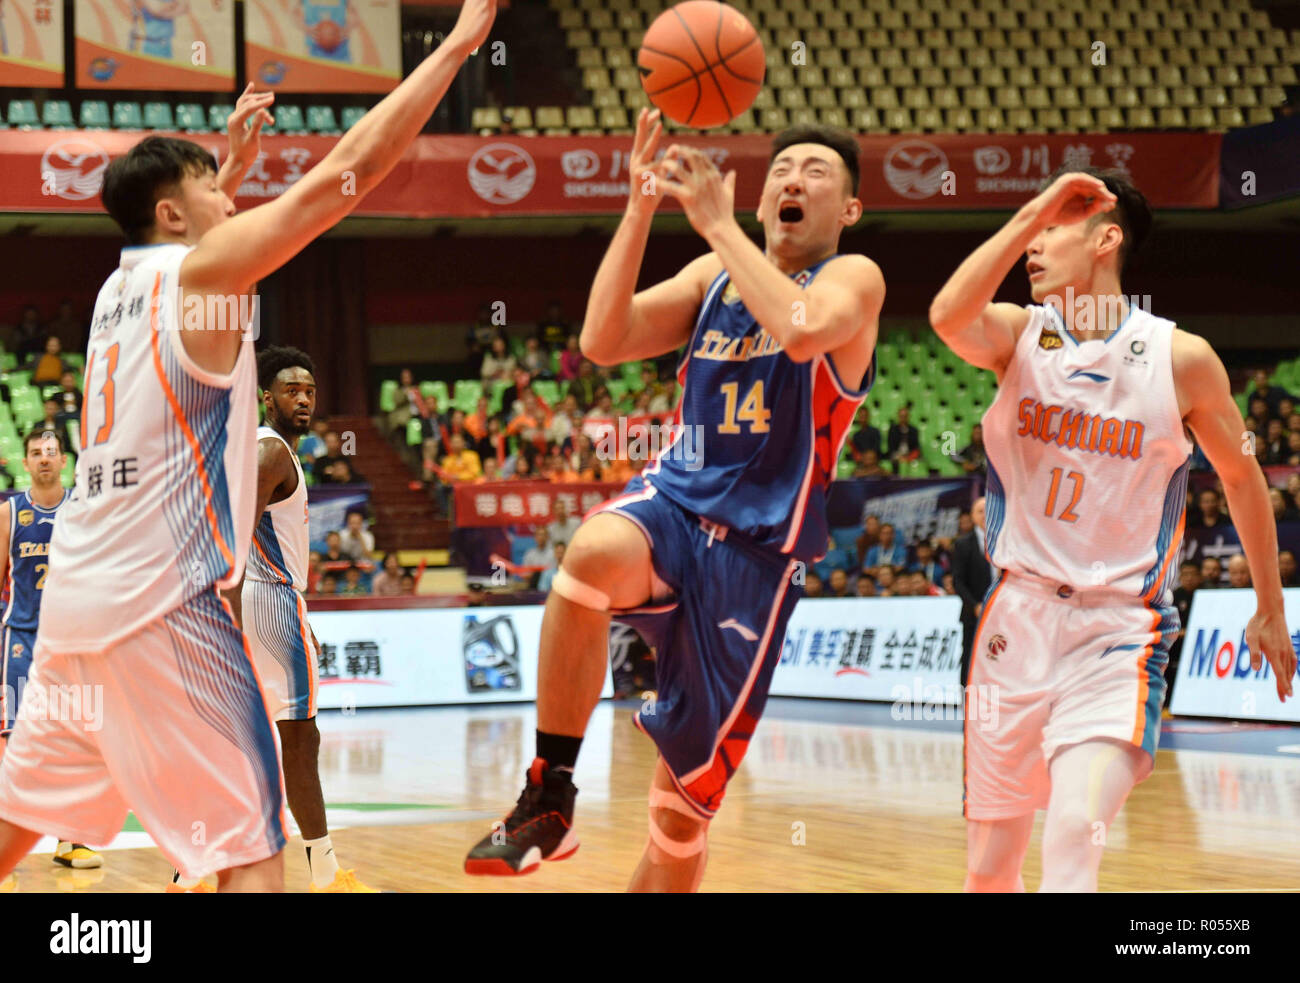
<point>77,855</point>
<point>9,885</point>
<point>345,882</point>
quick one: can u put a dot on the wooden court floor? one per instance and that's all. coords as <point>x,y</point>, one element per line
<point>817,806</point>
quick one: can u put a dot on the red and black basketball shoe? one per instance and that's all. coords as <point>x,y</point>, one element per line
<point>540,828</point>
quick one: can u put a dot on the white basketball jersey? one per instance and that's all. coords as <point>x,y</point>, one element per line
<point>166,478</point>
<point>1088,458</point>
<point>280,540</point>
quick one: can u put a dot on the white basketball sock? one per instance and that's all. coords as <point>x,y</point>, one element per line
<point>320,858</point>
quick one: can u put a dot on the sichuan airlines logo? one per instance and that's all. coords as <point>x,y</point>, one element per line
<point>915,168</point>
<point>73,169</point>
<point>502,173</point>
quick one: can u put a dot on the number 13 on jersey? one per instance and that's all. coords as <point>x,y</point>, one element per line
<point>107,392</point>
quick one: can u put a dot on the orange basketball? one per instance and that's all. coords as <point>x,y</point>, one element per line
<point>328,35</point>
<point>701,63</point>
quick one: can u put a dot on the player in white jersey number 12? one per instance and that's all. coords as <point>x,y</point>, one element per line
<point>1088,458</point>
<point>163,508</point>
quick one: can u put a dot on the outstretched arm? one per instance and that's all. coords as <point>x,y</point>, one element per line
<point>1205,398</point>
<point>245,138</point>
<point>234,255</point>
<point>963,314</point>
<point>621,325</point>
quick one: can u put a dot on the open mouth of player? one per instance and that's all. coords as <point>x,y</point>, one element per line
<point>790,213</point>
<point>1035,271</point>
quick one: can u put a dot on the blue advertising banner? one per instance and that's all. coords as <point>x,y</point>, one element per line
<point>328,505</point>
<point>914,506</point>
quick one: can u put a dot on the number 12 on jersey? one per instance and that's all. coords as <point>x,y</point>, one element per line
<point>1068,515</point>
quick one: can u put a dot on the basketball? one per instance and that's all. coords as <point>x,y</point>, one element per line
<point>328,35</point>
<point>701,63</point>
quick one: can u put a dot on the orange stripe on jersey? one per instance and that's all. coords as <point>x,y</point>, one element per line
<point>970,682</point>
<point>1170,553</point>
<point>310,649</point>
<point>185,426</point>
<point>278,572</point>
<point>1140,721</point>
<point>85,403</point>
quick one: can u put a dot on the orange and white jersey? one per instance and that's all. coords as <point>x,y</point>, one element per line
<point>1088,458</point>
<point>167,475</point>
<point>280,540</point>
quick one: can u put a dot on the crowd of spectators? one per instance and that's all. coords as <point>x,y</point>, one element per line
<point>531,437</point>
<point>877,455</point>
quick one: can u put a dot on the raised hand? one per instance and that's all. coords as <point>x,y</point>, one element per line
<point>643,173</point>
<point>1071,198</point>
<point>245,135</point>
<point>474,23</point>
<point>708,198</point>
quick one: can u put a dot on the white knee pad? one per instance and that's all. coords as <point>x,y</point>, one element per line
<point>573,589</point>
<point>677,849</point>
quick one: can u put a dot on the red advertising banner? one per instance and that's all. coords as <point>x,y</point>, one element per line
<point>509,503</point>
<point>469,176</point>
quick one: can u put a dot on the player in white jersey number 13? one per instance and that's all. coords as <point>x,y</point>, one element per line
<point>163,509</point>
<point>1088,458</point>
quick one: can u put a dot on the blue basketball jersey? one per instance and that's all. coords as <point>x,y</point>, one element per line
<point>759,434</point>
<point>30,527</point>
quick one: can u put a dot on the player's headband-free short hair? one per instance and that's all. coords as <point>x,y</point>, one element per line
<point>1132,212</point>
<point>842,142</point>
<point>151,170</point>
<point>274,360</point>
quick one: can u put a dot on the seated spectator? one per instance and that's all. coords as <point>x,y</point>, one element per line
<point>1275,443</point>
<point>868,466</point>
<point>312,445</point>
<point>356,540</point>
<point>562,526</point>
<point>388,582</point>
<point>585,385</point>
<point>329,584</point>
<point>334,555</point>
<point>352,583</point>
<point>922,586</point>
<point>537,361</point>
<point>949,585</point>
<point>1292,449</point>
<point>491,470</point>
<point>1211,572</point>
<point>585,461</point>
<point>839,584</point>
<point>455,425</point>
<point>315,568</point>
<point>620,470</point>
<point>553,329</point>
<point>48,369</point>
<point>886,552</point>
<point>1257,413</point>
<point>926,563</point>
<point>548,575</point>
<point>868,538</point>
<point>885,579</point>
<point>530,421</point>
<point>603,407</point>
<point>323,467</point>
<point>520,466</point>
<point>541,553</point>
<point>408,585</point>
<point>1283,510</point>
<point>560,430</point>
<point>343,474</point>
<point>865,587</point>
<point>665,400</point>
<point>1238,571</point>
<point>1211,515</point>
<point>476,424</point>
<point>1271,395</point>
<point>812,584</point>
<point>866,437</point>
<point>521,385</point>
<point>482,333</point>
<point>29,338</point>
<point>498,364</point>
<point>460,463</point>
<point>972,458</point>
<point>904,439</point>
<point>408,405</point>
<point>571,359</point>
<point>1286,567</point>
<point>70,398</point>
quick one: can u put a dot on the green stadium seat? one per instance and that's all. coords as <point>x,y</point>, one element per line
<point>94,115</point>
<point>8,361</point>
<point>57,114</point>
<point>158,116</point>
<point>217,116</point>
<point>388,396</point>
<point>494,400</point>
<point>127,116</point>
<point>22,114</point>
<point>69,473</point>
<point>350,116</point>
<point>320,119</point>
<point>617,390</point>
<point>74,432</point>
<point>190,118</point>
<point>845,469</point>
<point>288,119</point>
<point>466,394</point>
<point>22,480</point>
<point>548,390</point>
<point>17,379</point>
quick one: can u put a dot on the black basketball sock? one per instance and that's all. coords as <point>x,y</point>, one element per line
<point>558,751</point>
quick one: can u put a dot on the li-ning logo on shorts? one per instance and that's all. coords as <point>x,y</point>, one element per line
<point>997,645</point>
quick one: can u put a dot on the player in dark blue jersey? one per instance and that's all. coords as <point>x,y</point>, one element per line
<point>704,552</point>
<point>26,522</point>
